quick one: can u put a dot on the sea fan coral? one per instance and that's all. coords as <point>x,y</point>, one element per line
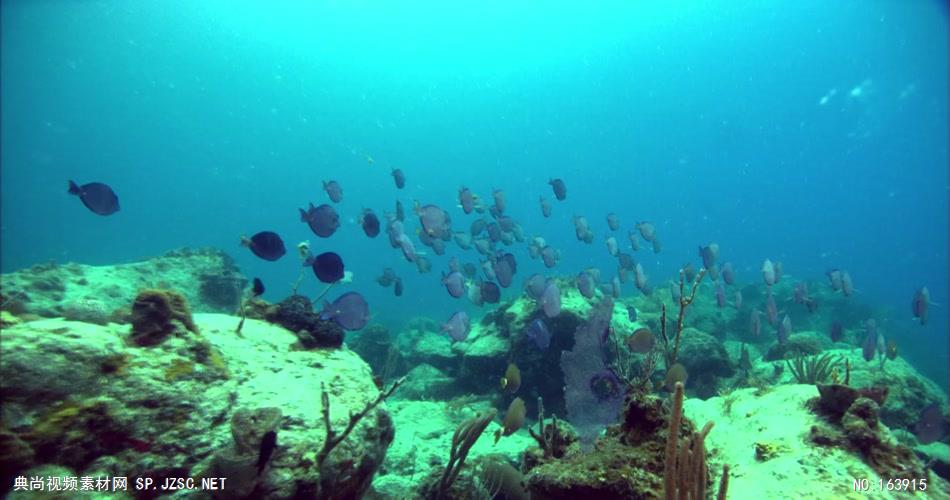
<point>592,394</point>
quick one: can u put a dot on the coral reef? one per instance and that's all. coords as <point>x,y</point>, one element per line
<point>207,277</point>
<point>422,342</point>
<point>752,424</point>
<point>859,428</point>
<point>554,440</point>
<point>158,314</point>
<point>428,382</point>
<point>799,344</point>
<point>160,429</point>
<point>835,399</point>
<point>779,423</point>
<point>256,308</point>
<point>632,460</point>
<point>167,408</point>
<point>908,392</point>
<point>626,463</point>
<point>538,367</point>
<point>703,354</point>
<point>16,456</point>
<point>75,434</point>
<point>296,314</point>
<point>375,345</point>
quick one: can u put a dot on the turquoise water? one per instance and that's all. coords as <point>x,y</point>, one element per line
<point>814,133</point>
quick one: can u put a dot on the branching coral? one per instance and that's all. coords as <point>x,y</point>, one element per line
<point>333,439</point>
<point>623,367</point>
<point>684,302</point>
<point>552,440</point>
<point>346,478</point>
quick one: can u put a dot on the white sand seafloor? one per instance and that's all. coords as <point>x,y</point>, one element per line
<point>423,438</point>
<point>800,470</point>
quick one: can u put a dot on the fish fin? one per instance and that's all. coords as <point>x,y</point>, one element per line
<point>497,436</point>
<point>74,188</point>
<point>303,214</point>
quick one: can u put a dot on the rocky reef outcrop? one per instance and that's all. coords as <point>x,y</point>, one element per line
<point>83,397</point>
<point>627,462</point>
<point>207,277</point>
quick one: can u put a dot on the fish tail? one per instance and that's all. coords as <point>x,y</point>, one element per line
<point>74,188</point>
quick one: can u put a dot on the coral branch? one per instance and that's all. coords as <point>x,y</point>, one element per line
<point>551,445</point>
<point>666,340</point>
<point>333,439</point>
<point>296,284</point>
<point>539,437</point>
<point>684,302</point>
<point>324,292</point>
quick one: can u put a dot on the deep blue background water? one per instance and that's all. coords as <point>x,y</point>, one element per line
<point>213,120</point>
